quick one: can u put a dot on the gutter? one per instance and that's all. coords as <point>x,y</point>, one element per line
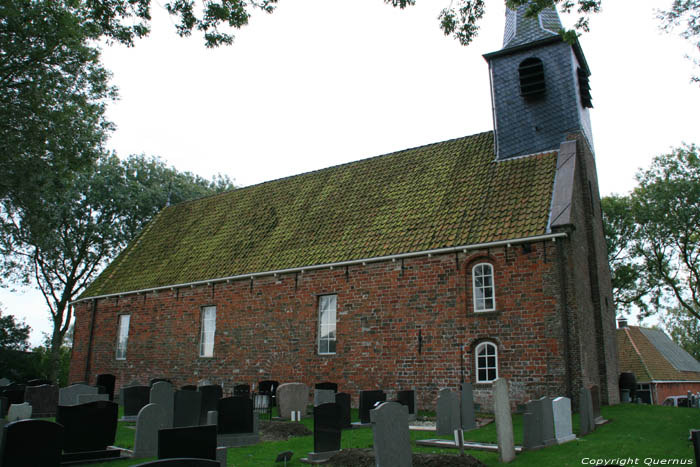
<point>364,261</point>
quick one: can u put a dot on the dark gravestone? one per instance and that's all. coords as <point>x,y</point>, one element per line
<point>695,437</point>
<point>181,462</point>
<point>327,429</point>
<point>188,407</point>
<point>192,441</point>
<point>158,380</point>
<point>189,387</point>
<point>107,381</point>
<point>241,390</point>
<point>39,382</point>
<point>134,399</point>
<point>88,427</point>
<point>595,401</point>
<point>4,405</point>
<point>368,399</point>
<point>14,393</point>
<point>533,436</point>
<point>327,385</point>
<point>547,411</point>
<point>344,403</point>
<point>211,394</point>
<point>43,399</point>
<point>407,398</point>
<point>31,443</point>
<point>235,415</point>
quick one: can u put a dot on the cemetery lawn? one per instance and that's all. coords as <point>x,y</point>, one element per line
<point>646,433</point>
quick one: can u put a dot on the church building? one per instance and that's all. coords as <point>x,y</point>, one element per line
<point>473,259</point>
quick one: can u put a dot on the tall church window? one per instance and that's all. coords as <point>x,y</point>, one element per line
<point>122,336</point>
<point>486,362</point>
<point>484,291</point>
<point>326,324</point>
<point>532,84</point>
<point>206,340</point>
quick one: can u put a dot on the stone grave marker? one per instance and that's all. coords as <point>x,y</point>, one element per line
<point>504,422</point>
<point>408,398</point>
<point>4,405</point>
<point>547,421</point>
<point>192,441</point>
<point>344,401</point>
<point>14,393</point>
<point>187,408</point>
<point>189,387</point>
<point>31,443</point>
<point>327,432</point>
<point>292,397</point>
<point>586,412</point>
<point>327,385</point>
<point>107,381</point>
<point>695,438</point>
<point>150,419</point>
<point>533,437</point>
<point>21,411</point>
<point>561,408</point>
<point>467,407</point>
<point>237,424</point>
<point>5,382</point>
<point>85,398</point>
<point>89,429</point>
<point>163,394</point>
<point>323,396</point>
<point>241,390</point>
<point>158,380</point>
<point>43,399</point>
<point>39,382</point>
<point>69,395</point>
<point>134,399</point>
<point>392,440</point>
<point>368,401</point>
<point>211,393</point>
<point>447,413</point>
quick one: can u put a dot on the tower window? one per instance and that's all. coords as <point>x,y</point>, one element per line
<point>531,73</point>
<point>584,88</point>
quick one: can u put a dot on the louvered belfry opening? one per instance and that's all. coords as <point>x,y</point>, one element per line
<point>532,85</point>
<point>584,88</point>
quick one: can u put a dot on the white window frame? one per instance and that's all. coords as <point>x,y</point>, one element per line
<point>486,367</point>
<point>327,324</point>
<point>122,336</point>
<point>207,332</point>
<point>478,290</point>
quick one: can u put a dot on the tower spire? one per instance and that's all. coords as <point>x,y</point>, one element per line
<point>522,28</point>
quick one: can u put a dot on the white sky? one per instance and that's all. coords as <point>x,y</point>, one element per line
<point>323,82</point>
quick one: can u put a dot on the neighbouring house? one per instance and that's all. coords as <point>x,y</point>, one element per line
<point>475,258</point>
<point>662,368</point>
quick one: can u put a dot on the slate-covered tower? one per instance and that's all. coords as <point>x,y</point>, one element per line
<point>539,86</point>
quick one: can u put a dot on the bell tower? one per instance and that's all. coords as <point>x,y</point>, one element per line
<point>539,86</point>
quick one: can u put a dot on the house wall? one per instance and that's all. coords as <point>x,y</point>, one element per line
<point>663,390</point>
<point>267,329</point>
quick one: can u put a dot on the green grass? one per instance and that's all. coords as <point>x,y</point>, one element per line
<point>639,432</point>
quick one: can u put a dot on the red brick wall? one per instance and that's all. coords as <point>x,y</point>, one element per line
<point>269,331</point>
<point>664,390</point>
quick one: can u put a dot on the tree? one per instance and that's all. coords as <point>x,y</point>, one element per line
<point>684,330</point>
<point>62,246</point>
<point>14,335</point>
<point>53,93</point>
<point>684,14</point>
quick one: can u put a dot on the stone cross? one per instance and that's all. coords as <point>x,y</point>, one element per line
<point>504,422</point>
<point>392,440</point>
<point>561,408</point>
<point>151,418</point>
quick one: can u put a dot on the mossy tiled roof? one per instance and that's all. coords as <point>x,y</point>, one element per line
<point>435,196</point>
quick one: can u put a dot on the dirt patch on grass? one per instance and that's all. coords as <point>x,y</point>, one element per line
<point>365,458</point>
<point>282,431</point>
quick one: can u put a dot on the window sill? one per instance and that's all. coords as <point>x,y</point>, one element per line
<point>487,314</point>
<point>326,354</point>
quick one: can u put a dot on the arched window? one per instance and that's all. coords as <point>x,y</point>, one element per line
<point>486,362</point>
<point>532,85</point>
<point>484,293</point>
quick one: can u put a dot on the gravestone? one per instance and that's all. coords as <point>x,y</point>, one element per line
<point>5,382</point>
<point>344,402</point>
<point>21,411</point>
<point>467,406</point>
<point>447,413</point>
<point>158,380</point>
<point>327,432</point>
<point>43,399</point>
<point>595,402</point>
<point>533,437</point>
<point>561,408</point>
<point>408,398</point>
<point>107,381</point>
<point>85,398</point>
<point>14,393</point>
<point>69,394</point>
<point>236,422</point>
<point>241,390</point>
<point>151,418</point>
<point>547,421</point>
<point>323,396</point>
<point>211,394</point>
<point>327,385</point>
<point>392,440</point>
<point>504,422</point>
<point>39,382</point>
<point>134,398</point>
<point>89,429</point>
<point>192,441</point>
<point>368,401</point>
<point>187,409</point>
<point>4,405</point>
<point>163,394</point>
<point>586,412</point>
<point>31,443</point>
<point>292,397</point>
<point>695,438</point>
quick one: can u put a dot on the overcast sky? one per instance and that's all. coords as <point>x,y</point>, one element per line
<point>323,82</point>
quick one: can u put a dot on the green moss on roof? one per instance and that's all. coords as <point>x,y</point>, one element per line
<point>435,196</point>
